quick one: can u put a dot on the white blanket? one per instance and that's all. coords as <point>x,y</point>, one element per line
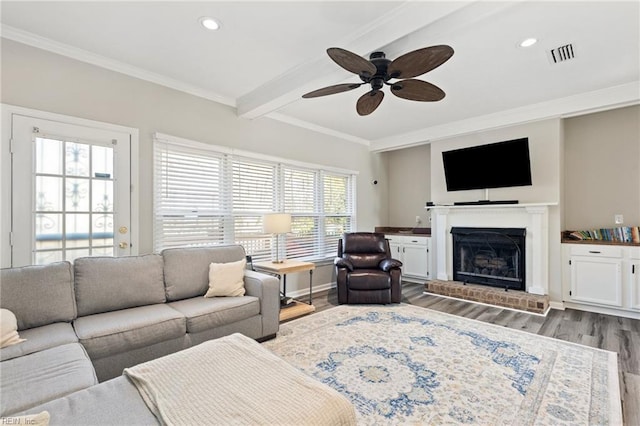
<point>233,380</point>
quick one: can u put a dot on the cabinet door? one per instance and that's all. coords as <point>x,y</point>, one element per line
<point>634,282</point>
<point>415,260</point>
<point>596,280</point>
<point>396,250</point>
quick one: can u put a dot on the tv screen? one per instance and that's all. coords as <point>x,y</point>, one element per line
<point>495,165</point>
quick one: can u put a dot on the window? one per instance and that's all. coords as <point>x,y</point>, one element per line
<point>207,195</point>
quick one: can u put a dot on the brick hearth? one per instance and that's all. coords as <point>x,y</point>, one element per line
<point>513,299</point>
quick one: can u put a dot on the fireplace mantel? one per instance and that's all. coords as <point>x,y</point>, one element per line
<point>534,217</point>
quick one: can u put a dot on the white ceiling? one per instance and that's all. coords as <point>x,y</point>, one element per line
<point>267,54</point>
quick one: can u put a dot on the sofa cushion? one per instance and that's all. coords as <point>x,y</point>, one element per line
<point>39,339</point>
<point>127,329</point>
<point>226,279</point>
<point>186,270</point>
<point>206,313</point>
<point>38,295</point>
<point>106,284</point>
<point>34,379</point>
<point>369,279</point>
<point>9,329</point>
<point>110,403</point>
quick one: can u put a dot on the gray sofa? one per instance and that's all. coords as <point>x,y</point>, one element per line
<point>84,323</point>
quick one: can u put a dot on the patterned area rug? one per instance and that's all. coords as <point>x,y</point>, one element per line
<point>404,364</point>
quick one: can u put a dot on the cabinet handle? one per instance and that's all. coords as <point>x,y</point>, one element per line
<point>633,269</point>
<point>594,252</point>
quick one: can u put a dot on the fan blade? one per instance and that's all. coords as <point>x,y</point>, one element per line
<point>330,90</point>
<point>419,61</point>
<point>369,102</point>
<point>351,62</point>
<point>417,90</point>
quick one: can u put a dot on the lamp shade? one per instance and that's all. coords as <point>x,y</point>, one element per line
<point>276,223</point>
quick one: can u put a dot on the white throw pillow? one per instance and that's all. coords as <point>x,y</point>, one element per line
<point>226,279</point>
<point>8,329</point>
<point>40,419</point>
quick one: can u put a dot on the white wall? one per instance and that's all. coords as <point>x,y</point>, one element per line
<point>545,149</point>
<point>409,185</point>
<point>41,80</point>
<point>602,165</point>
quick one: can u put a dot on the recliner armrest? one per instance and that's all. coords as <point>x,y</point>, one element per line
<point>389,264</point>
<point>343,263</point>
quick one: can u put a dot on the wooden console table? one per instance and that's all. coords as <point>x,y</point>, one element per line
<point>295,309</point>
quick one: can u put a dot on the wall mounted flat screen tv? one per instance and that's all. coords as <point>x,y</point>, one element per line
<point>495,165</point>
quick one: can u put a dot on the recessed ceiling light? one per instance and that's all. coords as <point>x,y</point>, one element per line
<point>528,42</point>
<point>209,23</point>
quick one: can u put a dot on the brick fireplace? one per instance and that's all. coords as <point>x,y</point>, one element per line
<point>531,219</point>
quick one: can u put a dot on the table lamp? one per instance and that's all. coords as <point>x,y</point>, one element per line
<point>276,224</point>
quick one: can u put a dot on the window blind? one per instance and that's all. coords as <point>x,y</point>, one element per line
<point>188,198</point>
<point>253,195</point>
<point>206,195</point>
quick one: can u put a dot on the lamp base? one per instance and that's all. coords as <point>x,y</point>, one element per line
<point>277,261</point>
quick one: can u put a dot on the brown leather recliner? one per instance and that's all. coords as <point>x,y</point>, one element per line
<point>365,271</point>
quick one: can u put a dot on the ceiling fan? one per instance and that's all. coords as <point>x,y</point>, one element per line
<point>378,70</point>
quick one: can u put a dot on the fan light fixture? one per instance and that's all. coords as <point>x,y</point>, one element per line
<point>209,23</point>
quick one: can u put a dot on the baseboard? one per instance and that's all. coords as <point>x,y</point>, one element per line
<point>602,310</point>
<point>556,305</point>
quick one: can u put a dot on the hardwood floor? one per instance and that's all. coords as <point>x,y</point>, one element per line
<point>621,335</point>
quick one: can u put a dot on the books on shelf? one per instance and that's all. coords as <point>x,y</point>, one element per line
<point>623,234</point>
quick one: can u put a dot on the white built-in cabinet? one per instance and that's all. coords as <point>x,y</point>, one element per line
<point>605,276</point>
<point>415,254</point>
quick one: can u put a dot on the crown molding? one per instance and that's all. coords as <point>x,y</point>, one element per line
<point>25,37</point>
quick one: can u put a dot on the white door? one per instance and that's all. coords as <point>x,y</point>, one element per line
<point>70,192</point>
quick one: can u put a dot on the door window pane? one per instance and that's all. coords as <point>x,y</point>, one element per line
<point>102,229</point>
<point>48,231</point>
<point>77,159</point>
<point>102,196</point>
<point>48,194</point>
<point>48,156</point>
<point>102,162</point>
<point>77,195</point>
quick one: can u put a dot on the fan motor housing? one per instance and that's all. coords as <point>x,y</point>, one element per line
<point>382,63</point>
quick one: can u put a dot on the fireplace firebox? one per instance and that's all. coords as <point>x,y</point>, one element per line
<point>490,256</point>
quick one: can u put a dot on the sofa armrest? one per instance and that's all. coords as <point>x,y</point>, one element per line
<point>267,289</point>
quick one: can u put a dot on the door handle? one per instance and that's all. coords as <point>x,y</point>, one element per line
<point>123,245</point>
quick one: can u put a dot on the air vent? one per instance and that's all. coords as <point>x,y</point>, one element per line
<point>561,54</point>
